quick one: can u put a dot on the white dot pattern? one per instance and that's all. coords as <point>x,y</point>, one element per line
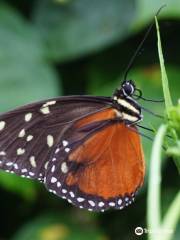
<point>39,152</point>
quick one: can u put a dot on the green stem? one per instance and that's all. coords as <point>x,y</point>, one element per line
<point>153,201</point>
<point>171,219</point>
<point>167,96</point>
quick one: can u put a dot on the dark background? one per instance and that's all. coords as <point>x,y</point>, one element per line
<point>65,47</point>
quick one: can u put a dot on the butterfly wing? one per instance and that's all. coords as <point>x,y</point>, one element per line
<point>29,135</point>
<point>98,164</point>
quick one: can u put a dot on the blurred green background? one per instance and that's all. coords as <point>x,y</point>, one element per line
<point>63,47</point>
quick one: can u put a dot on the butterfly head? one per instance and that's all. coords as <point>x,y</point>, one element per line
<point>127,88</point>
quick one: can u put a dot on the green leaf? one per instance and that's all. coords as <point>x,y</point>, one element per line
<point>24,77</point>
<point>153,217</point>
<point>161,229</point>
<point>146,12</point>
<point>24,187</point>
<point>81,26</point>
<point>53,226</point>
<point>171,218</point>
<point>174,128</point>
<point>174,113</point>
<point>24,74</point>
<point>167,96</point>
<point>62,1</point>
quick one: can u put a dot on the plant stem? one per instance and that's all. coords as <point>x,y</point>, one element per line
<point>171,219</point>
<point>167,96</point>
<point>153,201</point>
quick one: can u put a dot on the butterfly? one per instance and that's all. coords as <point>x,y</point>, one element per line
<point>85,149</point>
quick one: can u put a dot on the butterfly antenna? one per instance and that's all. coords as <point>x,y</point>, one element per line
<point>152,130</point>
<point>140,45</point>
<point>140,133</point>
<point>145,99</point>
<point>146,128</point>
<point>144,135</point>
<point>152,113</point>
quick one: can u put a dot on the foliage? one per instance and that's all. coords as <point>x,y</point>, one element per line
<point>174,129</point>
<point>162,229</point>
<point>55,227</point>
<point>55,47</point>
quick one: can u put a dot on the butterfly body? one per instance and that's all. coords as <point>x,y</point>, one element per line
<point>85,149</point>
<point>129,109</point>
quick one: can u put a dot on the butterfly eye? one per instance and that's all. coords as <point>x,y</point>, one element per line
<point>128,88</point>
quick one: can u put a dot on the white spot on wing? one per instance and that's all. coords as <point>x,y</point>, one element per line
<point>29,138</point>
<point>53,168</point>
<point>92,203</point>
<point>120,201</point>
<point>58,184</point>
<point>2,153</point>
<point>9,163</point>
<point>20,151</point>
<point>53,180</point>
<point>15,166</point>
<point>72,194</point>
<point>50,140</point>
<point>126,199</point>
<point>57,150</point>
<point>65,143</point>
<point>67,150</point>
<point>64,191</point>
<point>64,167</point>
<point>28,117</point>
<point>46,165</point>
<point>32,161</point>
<point>2,125</point>
<point>80,199</point>
<point>45,110</point>
<point>100,204</point>
<point>21,133</point>
<point>49,103</point>
<point>112,204</point>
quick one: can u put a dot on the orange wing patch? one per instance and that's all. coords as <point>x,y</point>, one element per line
<point>113,160</point>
